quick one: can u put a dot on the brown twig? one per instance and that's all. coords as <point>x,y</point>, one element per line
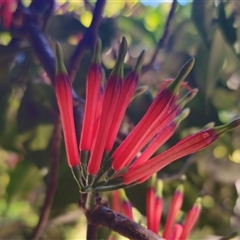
<point>92,231</point>
<point>101,215</point>
<point>163,39</point>
<point>88,39</point>
<point>52,183</point>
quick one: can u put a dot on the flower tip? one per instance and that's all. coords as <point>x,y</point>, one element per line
<point>209,125</point>
<point>123,45</point>
<point>180,189</point>
<point>182,74</point>
<point>118,68</point>
<point>123,196</point>
<point>198,202</point>
<point>140,90</point>
<point>97,51</point>
<point>122,50</point>
<point>138,67</point>
<point>227,127</point>
<point>182,116</point>
<point>60,67</point>
<point>159,188</point>
<point>152,181</point>
<point>194,92</point>
<point>234,124</point>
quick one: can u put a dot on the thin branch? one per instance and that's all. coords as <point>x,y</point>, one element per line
<point>52,183</point>
<point>104,216</point>
<point>27,27</point>
<point>88,39</point>
<point>101,215</point>
<point>163,39</point>
<point>92,231</point>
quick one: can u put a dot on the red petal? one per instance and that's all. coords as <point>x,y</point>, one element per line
<point>64,98</point>
<point>176,232</point>
<point>150,205</point>
<point>128,90</point>
<point>158,213</point>
<point>174,208</point>
<point>127,209</point>
<point>190,221</point>
<point>92,97</point>
<point>186,146</point>
<point>145,128</point>
<point>110,99</point>
<point>158,141</point>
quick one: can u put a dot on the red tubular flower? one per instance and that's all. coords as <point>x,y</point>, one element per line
<point>92,99</point>
<point>115,200</point>
<point>176,232</point>
<point>186,146</point>
<point>128,90</point>
<point>161,137</point>
<point>191,219</point>
<point>154,204</point>
<point>7,8</point>
<point>150,205</point>
<point>174,208</point>
<point>127,209</point>
<point>158,206</point>
<point>126,205</point>
<point>145,129</point>
<point>110,99</point>
<point>63,92</point>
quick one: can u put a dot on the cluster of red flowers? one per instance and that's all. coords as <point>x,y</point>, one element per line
<point>104,166</point>
<point>172,229</point>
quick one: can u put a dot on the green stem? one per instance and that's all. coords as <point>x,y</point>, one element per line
<point>90,202</point>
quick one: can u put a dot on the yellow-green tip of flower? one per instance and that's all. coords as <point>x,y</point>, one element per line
<point>182,116</point>
<point>97,52</point>
<point>152,181</point>
<point>138,67</point>
<point>123,195</point>
<point>118,68</point>
<point>227,127</point>
<point>140,90</point>
<point>60,67</point>
<point>184,71</point>
<point>198,202</point>
<point>159,188</point>
<point>180,188</point>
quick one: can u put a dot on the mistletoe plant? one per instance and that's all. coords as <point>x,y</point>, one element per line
<point>101,161</point>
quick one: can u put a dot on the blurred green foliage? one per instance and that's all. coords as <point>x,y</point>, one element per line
<point>206,30</point>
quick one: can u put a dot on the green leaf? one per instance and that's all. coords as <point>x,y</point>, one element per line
<point>227,24</point>
<point>202,17</point>
<point>215,62</point>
